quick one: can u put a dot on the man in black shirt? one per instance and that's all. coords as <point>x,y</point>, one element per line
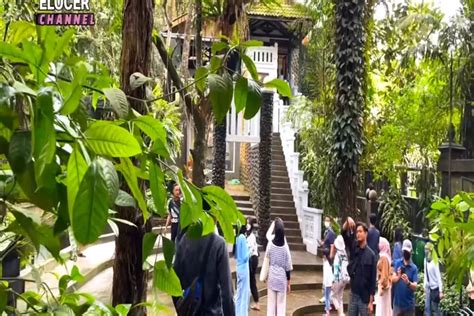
<point>374,236</point>
<point>362,268</point>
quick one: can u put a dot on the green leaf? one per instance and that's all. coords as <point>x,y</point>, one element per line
<point>168,251</point>
<point>439,206</point>
<point>156,131</point>
<point>118,101</point>
<point>19,153</point>
<point>220,93</point>
<point>252,43</point>
<point>72,92</point>
<point>254,100</point>
<point>149,240</point>
<point>138,79</point>
<point>76,169</point>
<point>215,64</point>
<point>91,205</point>
<point>218,46</point>
<point>166,280</point>
<point>23,88</point>
<point>125,200</point>
<point>191,205</point>
<point>282,87</point>
<point>111,178</point>
<point>240,94</point>
<point>110,140</point>
<point>250,65</point>
<point>123,309</point>
<point>158,190</point>
<point>200,77</point>
<point>43,134</point>
<point>3,295</point>
<point>14,53</point>
<point>126,168</point>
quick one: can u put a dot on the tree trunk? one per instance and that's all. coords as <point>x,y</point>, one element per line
<point>350,86</point>
<point>218,164</point>
<point>201,123</point>
<point>265,167</point>
<point>130,280</point>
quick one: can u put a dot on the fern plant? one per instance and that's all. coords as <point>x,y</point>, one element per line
<point>395,212</point>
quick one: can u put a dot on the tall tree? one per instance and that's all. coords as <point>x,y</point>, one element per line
<point>130,280</point>
<point>347,123</point>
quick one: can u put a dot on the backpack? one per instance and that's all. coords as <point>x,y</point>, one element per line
<point>190,302</point>
<point>344,274</point>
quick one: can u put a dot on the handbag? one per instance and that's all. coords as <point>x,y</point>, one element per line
<point>265,269</point>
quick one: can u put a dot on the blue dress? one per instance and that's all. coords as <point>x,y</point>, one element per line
<point>243,277</point>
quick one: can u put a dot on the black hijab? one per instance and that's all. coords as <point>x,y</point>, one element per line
<point>279,239</point>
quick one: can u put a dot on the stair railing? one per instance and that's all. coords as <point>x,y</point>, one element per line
<point>309,218</point>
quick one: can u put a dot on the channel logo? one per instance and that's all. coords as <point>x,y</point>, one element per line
<point>65,12</point>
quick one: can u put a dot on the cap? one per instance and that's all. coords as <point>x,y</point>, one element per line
<point>407,245</point>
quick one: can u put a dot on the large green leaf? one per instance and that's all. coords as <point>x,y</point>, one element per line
<point>14,53</point>
<point>125,200</point>
<point>240,94</point>
<point>191,206</point>
<point>107,139</point>
<point>166,279</point>
<point>252,43</point>
<point>282,87</point>
<point>220,93</point>
<point>215,64</point>
<point>149,240</point>
<point>158,190</point>
<point>91,205</point>
<point>200,77</point>
<point>156,131</point>
<point>168,251</point>
<point>19,153</point>
<point>3,295</point>
<point>254,100</point>
<point>43,134</point>
<point>76,169</point>
<point>250,65</point>
<point>72,92</point>
<point>127,169</point>
<point>118,101</point>
<point>111,178</point>
<point>218,46</point>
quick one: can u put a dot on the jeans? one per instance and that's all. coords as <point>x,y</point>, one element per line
<point>427,302</point>
<point>253,264</point>
<point>399,311</point>
<point>327,298</point>
<point>431,307</point>
<point>357,307</point>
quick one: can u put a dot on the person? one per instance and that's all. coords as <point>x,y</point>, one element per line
<point>253,262</point>
<point>433,283</point>
<point>404,279</point>
<point>397,246</point>
<point>242,272</point>
<point>362,268</point>
<point>328,248</point>
<point>383,299</point>
<point>280,266</point>
<point>373,236</point>
<point>341,276</point>
<point>174,206</point>
<point>190,261</point>
<point>370,193</point>
<point>470,290</point>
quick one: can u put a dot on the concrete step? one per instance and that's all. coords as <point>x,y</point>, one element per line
<point>285,217</point>
<point>281,192</point>
<point>282,197</point>
<point>247,211</point>
<point>294,239</point>
<point>277,173</point>
<point>297,246</point>
<point>244,204</point>
<point>282,211</point>
<point>279,168</point>
<point>280,185</point>
<point>282,203</point>
<point>238,198</point>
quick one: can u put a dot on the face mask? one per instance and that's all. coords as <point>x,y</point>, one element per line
<point>428,256</point>
<point>248,227</point>
<point>406,255</point>
<point>327,224</point>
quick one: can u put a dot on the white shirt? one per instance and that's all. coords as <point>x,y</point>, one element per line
<point>253,246</point>
<point>432,270</point>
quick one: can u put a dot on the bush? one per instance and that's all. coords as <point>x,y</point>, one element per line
<point>394,211</point>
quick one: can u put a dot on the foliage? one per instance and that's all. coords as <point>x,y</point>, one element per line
<point>394,210</point>
<point>72,173</point>
<point>453,232</point>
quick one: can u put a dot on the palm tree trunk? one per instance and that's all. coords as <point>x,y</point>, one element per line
<point>350,83</point>
<point>265,167</point>
<point>218,164</point>
<point>130,280</point>
<point>201,123</point>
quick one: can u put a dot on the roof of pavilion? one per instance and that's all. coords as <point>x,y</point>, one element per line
<point>284,10</point>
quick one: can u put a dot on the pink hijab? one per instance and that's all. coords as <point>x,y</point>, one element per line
<point>384,249</point>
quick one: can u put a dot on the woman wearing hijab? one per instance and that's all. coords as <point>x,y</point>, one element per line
<point>280,266</point>
<point>383,300</point>
<point>341,276</point>
<point>243,277</point>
